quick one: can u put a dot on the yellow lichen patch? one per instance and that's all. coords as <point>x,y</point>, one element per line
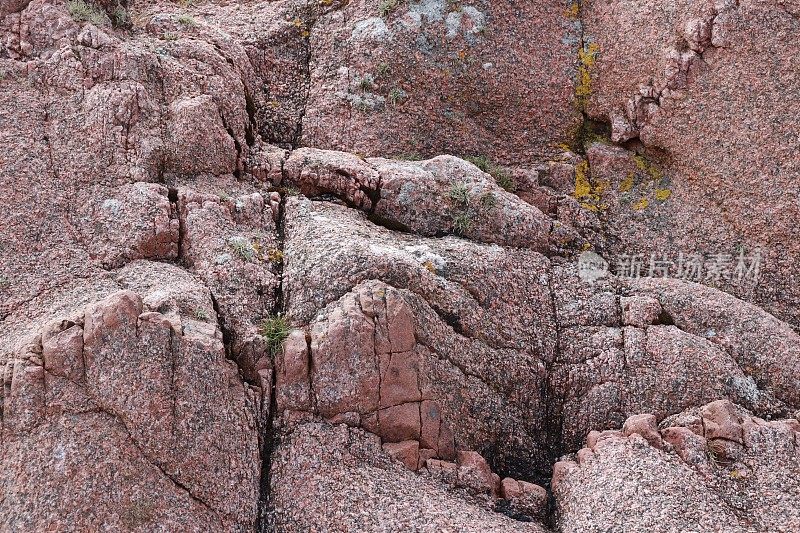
<point>643,164</point>
<point>588,54</point>
<point>573,11</point>
<point>641,204</point>
<point>627,184</point>
<point>587,194</point>
<point>564,147</point>
<point>429,266</point>
<point>586,246</point>
<point>663,194</point>
<point>583,187</point>
<point>601,186</point>
<point>587,57</point>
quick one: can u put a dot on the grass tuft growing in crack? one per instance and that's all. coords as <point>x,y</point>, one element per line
<point>274,329</point>
<point>459,193</point>
<point>82,11</point>
<point>500,175</point>
<point>387,7</point>
<point>242,247</point>
<point>186,20</point>
<point>462,221</point>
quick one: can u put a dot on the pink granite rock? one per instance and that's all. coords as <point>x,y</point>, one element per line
<point>698,481</point>
<point>175,177</point>
<point>430,77</point>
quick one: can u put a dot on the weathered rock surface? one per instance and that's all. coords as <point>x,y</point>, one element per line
<point>690,80</point>
<point>340,476</point>
<point>140,390</point>
<point>718,468</point>
<point>429,77</point>
<point>234,294</point>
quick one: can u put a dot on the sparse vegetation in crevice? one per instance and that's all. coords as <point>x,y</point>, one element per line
<point>242,247</point>
<point>186,20</point>
<point>387,7</point>
<point>459,194</point>
<point>488,201</point>
<point>462,222</point>
<point>408,156</point>
<point>396,96</point>
<point>83,11</point>
<point>366,82</point>
<point>274,329</point>
<point>119,17</point>
<point>501,175</point>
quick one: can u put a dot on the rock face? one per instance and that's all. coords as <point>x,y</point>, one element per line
<point>672,75</point>
<point>143,393</point>
<point>709,467</point>
<point>429,77</point>
<point>398,265</point>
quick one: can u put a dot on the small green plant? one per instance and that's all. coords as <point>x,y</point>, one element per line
<point>480,161</point>
<point>367,82</point>
<point>488,201</point>
<point>82,11</point>
<point>459,193</point>
<point>119,17</point>
<point>396,96</point>
<point>186,20</point>
<point>200,314</point>
<point>503,179</point>
<point>4,282</point>
<point>386,7</point>
<point>169,36</point>
<point>242,247</point>
<point>409,156</point>
<point>274,329</point>
<point>383,69</point>
<point>462,221</point>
